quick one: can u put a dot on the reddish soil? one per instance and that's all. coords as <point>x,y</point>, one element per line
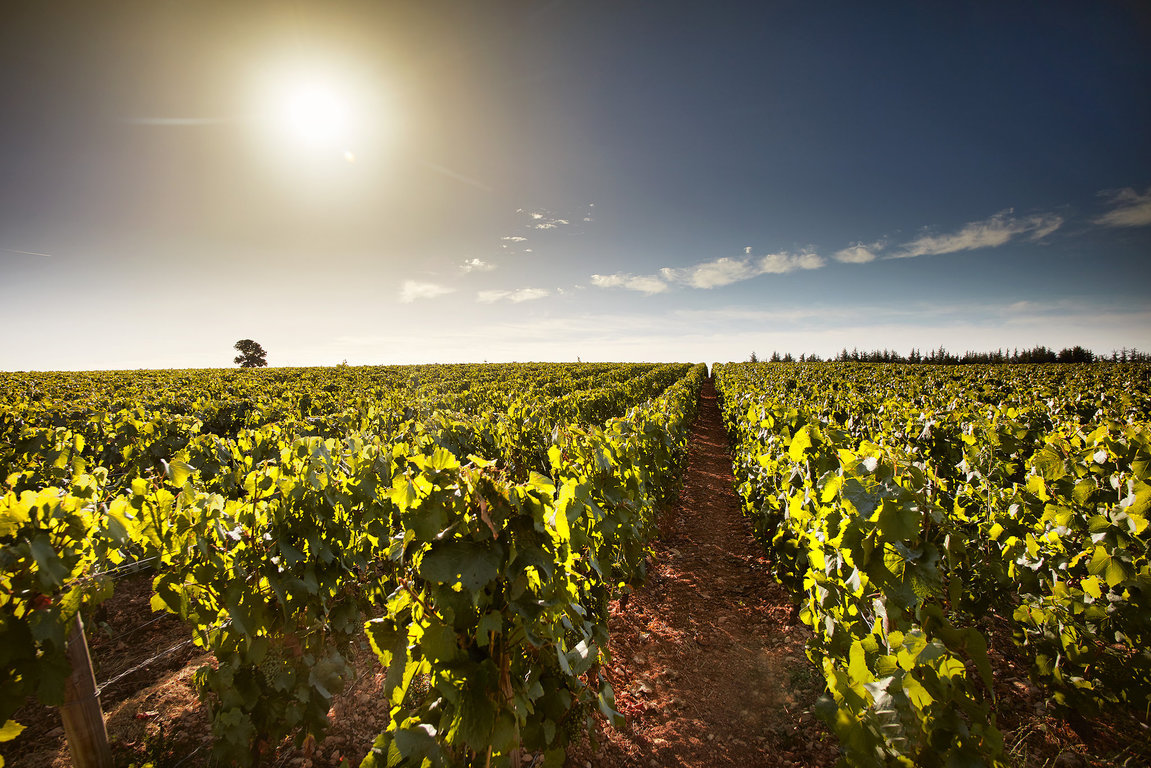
<point>150,709</point>
<point>707,665</point>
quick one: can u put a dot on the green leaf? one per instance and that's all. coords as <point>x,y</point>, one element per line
<point>477,714</point>
<point>1141,466</point>
<point>606,701</point>
<point>857,663</point>
<point>1109,567</point>
<point>898,522</point>
<point>580,658</point>
<point>440,642</point>
<point>418,743</point>
<point>492,621</point>
<point>1140,498</point>
<point>917,693</point>
<point>328,674</point>
<point>1049,464</point>
<point>10,730</point>
<point>179,472</point>
<point>241,615</point>
<point>15,516</point>
<point>443,460</point>
<point>1083,490</point>
<point>384,636</point>
<point>472,564</point>
<point>53,572</point>
<point>800,443</point>
<point>403,493</point>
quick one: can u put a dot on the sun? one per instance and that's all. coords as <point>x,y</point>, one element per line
<point>314,112</point>
<point>320,116</point>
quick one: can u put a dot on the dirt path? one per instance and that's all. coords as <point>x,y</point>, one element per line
<point>707,665</point>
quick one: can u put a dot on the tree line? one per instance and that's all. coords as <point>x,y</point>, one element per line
<point>942,356</point>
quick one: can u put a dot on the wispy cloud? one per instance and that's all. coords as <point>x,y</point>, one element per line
<point>457,176</point>
<point>1130,209</point>
<point>27,253</point>
<point>177,122</point>
<point>542,219</point>
<point>995,231</point>
<point>476,265</point>
<point>514,244</point>
<point>713,274</point>
<point>783,262</point>
<point>522,294</point>
<point>857,254</point>
<point>414,289</point>
<point>648,284</point>
<point>989,233</point>
<point>725,271</point>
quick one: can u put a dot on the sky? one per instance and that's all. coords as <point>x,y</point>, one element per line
<point>391,182</point>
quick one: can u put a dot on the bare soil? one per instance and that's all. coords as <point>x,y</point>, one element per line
<point>708,661</point>
<point>707,664</point>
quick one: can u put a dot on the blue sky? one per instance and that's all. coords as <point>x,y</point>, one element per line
<point>553,180</point>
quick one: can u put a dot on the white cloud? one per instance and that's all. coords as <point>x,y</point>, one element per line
<point>413,289</point>
<point>522,294</point>
<point>648,284</point>
<point>545,219</point>
<point>725,271</point>
<point>712,274</point>
<point>513,239</point>
<point>549,223</point>
<point>1131,209</point>
<point>617,280</point>
<point>1045,227</point>
<point>476,265</point>
<point>782,263</point>
<point>856,254</point>
<point>528,294</point>
<point>989,233</point>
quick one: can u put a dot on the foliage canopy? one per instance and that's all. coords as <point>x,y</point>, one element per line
<point>252,355</point>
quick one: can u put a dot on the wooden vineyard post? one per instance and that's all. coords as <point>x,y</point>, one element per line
<point>83,718</point>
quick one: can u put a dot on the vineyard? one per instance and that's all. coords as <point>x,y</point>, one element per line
<point>474,521</point>
<point>478,525</point>
<point>903,506</point>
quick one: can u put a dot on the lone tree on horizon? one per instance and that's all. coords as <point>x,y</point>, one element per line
<point>252,355</point>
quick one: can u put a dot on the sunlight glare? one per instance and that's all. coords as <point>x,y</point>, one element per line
<point>321,121</point>
<point>315,113</point>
